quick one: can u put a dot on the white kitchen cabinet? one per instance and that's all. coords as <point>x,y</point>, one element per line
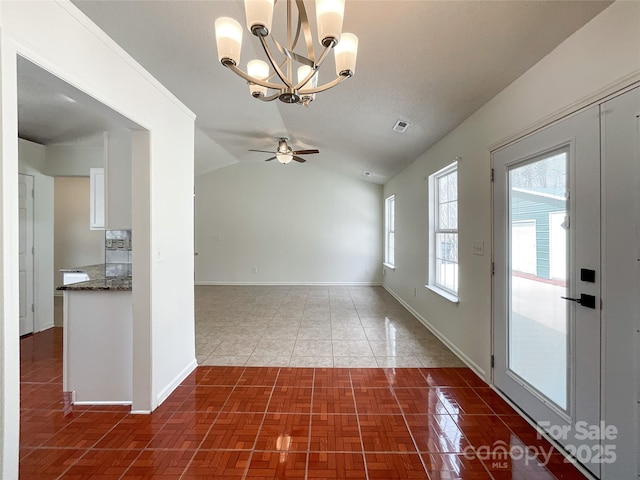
<point>97,200</point>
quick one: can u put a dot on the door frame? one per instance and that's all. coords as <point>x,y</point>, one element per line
<point>587,130</point>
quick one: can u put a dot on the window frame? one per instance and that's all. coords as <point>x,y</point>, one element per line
<point>434,283</point>
<point>389,229</point>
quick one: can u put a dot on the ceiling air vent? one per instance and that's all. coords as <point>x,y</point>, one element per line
<point>401,126</point>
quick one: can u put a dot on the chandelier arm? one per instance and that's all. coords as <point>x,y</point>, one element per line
<point>303,21</point>
<point>326,86</point>
<point>289,54</point>
<point>289,42</point>
<point>297,36</point>
<point>314,68</point>
<point>275,65</point>
<point>274,74</point>
<point>270,98</point>
<point>249,78</point>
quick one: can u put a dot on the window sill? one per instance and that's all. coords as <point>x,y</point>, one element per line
<point>389,266</point>
<point>443,293</point>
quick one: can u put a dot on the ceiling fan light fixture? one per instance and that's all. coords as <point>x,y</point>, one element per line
<point>260,70</point>
<point>259,17</point>
<point>229,40</point>
<point>285,157</point>
<point>285,154</point>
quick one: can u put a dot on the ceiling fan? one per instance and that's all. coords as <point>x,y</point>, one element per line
<point>285,153</point>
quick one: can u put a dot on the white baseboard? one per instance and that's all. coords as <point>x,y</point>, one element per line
<point>290,284</point>
<point>103,402</point>
<point>162,396</point>
<point>140,412</point>
<point>42,328</point>
<point>459,353</point>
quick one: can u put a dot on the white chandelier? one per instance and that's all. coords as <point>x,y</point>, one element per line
<point>329,16</point>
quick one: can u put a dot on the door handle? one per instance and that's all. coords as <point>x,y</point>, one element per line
<point>588,301</point>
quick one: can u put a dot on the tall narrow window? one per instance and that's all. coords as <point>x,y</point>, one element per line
<point>390,229</point>
<point>443,222</point>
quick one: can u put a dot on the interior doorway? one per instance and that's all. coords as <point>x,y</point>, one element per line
<point>26,253</point>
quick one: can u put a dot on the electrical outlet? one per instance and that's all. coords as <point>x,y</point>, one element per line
<point>217,238</point>
<point>366,270</point>
<point>478,248</point>
<point>415,291</point>
<point>254,270</point>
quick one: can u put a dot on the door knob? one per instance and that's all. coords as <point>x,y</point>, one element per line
<point>588,301</point>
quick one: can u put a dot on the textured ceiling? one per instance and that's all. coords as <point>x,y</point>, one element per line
<point>46,115</point>
<point>426,62</point>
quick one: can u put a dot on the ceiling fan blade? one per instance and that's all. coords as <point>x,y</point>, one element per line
<point>306,152</point>
<point>298,159</point>
<point>262,151</point>
<point>269,159</point>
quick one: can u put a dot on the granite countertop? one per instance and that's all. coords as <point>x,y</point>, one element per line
<point>104,276</point>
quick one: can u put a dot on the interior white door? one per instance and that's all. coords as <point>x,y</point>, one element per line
<point>546,327</point>
<point>25,190</point>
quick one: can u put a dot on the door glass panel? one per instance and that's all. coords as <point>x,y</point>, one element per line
<point>538,316</point>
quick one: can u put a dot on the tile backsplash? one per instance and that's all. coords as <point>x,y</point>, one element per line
<point>117,250</point>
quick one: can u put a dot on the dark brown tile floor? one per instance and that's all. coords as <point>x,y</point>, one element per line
<point>280,423</point>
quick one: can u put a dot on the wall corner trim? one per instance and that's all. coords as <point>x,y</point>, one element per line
<point>186,371</point>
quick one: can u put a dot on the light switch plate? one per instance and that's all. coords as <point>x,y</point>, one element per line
<point>478,248</point>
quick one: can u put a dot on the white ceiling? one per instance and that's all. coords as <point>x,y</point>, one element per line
<point>50,111</point>
<point>431,63</point>
<point>46,115</point>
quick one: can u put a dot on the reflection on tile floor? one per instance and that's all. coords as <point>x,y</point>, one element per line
<point>228,423</point>
<point>312,327</point>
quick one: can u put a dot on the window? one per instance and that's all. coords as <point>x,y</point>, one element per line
<point>389,231</point>
<point>443,235</point>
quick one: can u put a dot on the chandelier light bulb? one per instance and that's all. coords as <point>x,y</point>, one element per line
<point>346,53</point>
<point>229,40</point>
<point>329,16</point>
<point>259,16</point>
<point>259,70</point>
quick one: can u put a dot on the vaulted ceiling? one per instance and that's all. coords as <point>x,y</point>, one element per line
<point>429,63</point>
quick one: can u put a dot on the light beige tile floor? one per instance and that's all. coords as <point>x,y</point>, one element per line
<point>311,327</point>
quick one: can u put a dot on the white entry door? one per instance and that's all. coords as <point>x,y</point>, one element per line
<point>25,191</point>
<point>547,322</point>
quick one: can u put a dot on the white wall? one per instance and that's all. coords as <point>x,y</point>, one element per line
<point>31,157</point>
<point>602,56</point>
<point>118,179</point>
<point>295,223</point>
<point>59,38</point>
<point>72,160</point>
<point>75,243</point>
